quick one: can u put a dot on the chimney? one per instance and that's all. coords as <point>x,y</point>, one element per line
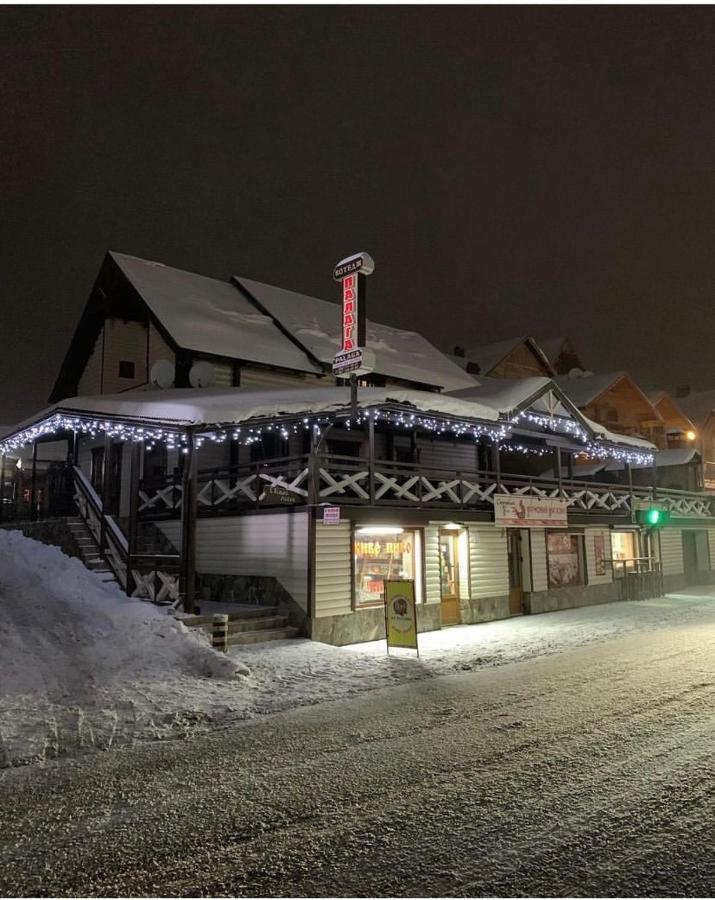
<point>458,351</point>
<point>682,390</point>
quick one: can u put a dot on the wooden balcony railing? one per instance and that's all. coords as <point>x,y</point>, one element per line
<point>329,478</point>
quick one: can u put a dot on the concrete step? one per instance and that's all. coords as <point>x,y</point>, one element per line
<point>260,635</point>
<point>255,623</point>
<point>246,613</point>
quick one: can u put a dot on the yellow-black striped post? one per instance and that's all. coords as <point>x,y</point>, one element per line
<point>220,632</point>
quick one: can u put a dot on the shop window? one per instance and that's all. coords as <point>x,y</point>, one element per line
<point>126,369</point>
<point>382,554</point>
<point>624,550</point>
<point>564,557</point>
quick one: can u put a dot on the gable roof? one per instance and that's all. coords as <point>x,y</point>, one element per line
<point>210,316</point>
<point>698,406</point>
<point>315,324</point>
<point>488,356</point>
<point>588,388</point>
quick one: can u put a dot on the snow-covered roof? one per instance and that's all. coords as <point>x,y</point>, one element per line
<point>211,316</point>
<point>587,388</point>
<point>488,356</point>
<point>229,406</point>
<point>508,394</point>
<point>698,405</point>
<point>315,324</point>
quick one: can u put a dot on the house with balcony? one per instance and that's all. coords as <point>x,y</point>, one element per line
<point>219,491</point>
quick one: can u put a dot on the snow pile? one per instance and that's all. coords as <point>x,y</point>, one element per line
<point>69,643</point>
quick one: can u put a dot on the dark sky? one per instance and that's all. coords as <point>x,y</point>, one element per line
<point>512,170</point>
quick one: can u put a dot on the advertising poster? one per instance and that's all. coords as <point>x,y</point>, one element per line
<point>517,511</point>
<point>400,614</point>
<point>599,553</point>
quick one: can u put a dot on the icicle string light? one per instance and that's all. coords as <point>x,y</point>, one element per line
<point>246,435</point>
<point>146,434</point>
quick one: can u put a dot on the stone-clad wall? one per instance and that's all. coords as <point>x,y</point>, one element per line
<point>367,625</point>
<point>570,597</point>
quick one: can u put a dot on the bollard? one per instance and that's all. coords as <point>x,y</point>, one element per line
<point>220,632</point>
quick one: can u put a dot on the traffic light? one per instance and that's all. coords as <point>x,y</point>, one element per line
<point>655,517</point>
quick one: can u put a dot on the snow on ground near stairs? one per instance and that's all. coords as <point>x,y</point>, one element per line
<point>83,668</point>
<point>81,665</point>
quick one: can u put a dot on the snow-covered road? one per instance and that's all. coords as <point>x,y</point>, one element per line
<point>586,772</point>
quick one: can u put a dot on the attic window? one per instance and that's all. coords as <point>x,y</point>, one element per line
<point>126,369</point>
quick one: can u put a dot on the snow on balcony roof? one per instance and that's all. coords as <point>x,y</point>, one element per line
<point>488,356</point>
<point>229,406</point>
<point>225,407</point>
<point>315,324</point>
<point>507,394</point>
<point>211,316</point>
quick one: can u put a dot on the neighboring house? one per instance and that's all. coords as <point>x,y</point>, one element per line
<point>145,322</point>
<point>699,406</point>
<point>519,357</point>
<point>561,354</point>
<point>680,430</point>
<point>615,401</point>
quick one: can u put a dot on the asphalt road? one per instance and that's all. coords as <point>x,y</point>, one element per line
<point>588,773</point>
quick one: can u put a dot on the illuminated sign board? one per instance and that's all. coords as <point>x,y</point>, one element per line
<point>518,511</point>
<point>352,273</point>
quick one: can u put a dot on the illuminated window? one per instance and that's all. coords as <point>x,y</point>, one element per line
<point>382,554</point>
<point>564,555</point>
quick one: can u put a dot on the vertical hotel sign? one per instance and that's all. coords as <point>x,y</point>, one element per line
<point>352,272</point>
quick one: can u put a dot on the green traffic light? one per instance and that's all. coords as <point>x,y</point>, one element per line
<point>653,516</point>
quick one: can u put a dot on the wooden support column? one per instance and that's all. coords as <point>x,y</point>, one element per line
<point>557,467</point>
<point>313,470</point>
<point>106,487</point>
<point>189,506</point>
<point>655,480</point>
<point>2,486</point>
<point>33,486</point>
<point>569,463</point>
<point>134,466</point>
<point>371,458</point>
<point>496,463</point>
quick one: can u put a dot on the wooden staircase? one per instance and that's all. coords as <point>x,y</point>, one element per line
<point>89,553</point>
<point>249,625</point>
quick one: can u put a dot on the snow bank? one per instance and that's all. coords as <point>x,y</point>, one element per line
<point>69,642</point>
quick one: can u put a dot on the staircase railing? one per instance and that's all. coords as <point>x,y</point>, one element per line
<point>154,576</point>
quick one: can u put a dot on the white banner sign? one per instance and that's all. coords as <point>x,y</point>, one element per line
<point>516,511</point>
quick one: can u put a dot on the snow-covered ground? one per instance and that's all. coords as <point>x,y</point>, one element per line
<point>83,667</point>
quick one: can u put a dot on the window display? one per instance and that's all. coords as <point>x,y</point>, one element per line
<point>382,554</point>
<point>564,557</point>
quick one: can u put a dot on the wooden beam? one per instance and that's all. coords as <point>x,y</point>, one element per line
<point>33,487</point>
<point>371,458</point>
<point>134,466</point>
<point>189,505</point>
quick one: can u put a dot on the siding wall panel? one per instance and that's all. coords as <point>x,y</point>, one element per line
<point>539,577</point>
<point>488,561</point>
<point>333,569</point>
<point>433,586</point>
<point>671,551</point>
<point>274,545</point>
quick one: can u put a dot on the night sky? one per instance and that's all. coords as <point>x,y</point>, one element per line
<point>512,170</point>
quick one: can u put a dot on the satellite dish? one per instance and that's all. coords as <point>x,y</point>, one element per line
<point>576,372</point>
<point>587,373</point>
<point>162,373</point>
<point>202,375</point>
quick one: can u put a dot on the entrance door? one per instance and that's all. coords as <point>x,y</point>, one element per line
<point>516,585</point>
<point>449,569</point>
